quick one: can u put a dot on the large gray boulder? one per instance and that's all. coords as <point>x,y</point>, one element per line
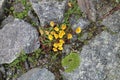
<point>15,37</point>
<point>49,10</point>
<point>113,22</point>
<point>37,74</point>
<point>100,59</point>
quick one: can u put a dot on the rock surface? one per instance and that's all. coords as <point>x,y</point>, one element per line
<point>2,3</point>
<point>83,23</point>
<point>37,74</point>
<point>113,22</point>
<point>49,10</point>
<point>15,37</point>
<point>7,20</point>
<point>100,60</point>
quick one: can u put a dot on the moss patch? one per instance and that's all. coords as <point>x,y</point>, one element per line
<point>71,62</point>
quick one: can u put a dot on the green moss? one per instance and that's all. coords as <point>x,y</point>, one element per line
<point>71,62</point>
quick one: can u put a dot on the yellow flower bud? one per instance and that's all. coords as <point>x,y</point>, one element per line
<point>46,32</point>
<point>50,37</point>
<point>41,31</point>
<point>78,30</point>
<point>69,4</point>
<point>69,36</point>
<point>52,23</point>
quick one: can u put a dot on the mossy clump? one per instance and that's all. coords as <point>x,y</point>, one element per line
<point>71,62</point>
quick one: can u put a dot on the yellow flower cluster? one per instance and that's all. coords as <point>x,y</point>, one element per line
<point>58,45</point>
<point>57,35</point>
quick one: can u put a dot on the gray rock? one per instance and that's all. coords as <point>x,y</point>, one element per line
<point>83,23</point>
<point>49,10</point>
<point>15,37</point>
<point>37,74</point>
<point>2,4</point>
<point>100,60</point>
<point>7,20</point>
<point>88,7</point>
<point>113,22</point>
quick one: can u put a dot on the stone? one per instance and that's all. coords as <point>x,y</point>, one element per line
<point>15,37</point>
<point>82,23</point>
<point>2,5</point>
<point>100,59</point>
<point>37,74</point>
<point>7,20</point>
<point>88,8</point>
<point>113,22</point>
<point>49,10</point>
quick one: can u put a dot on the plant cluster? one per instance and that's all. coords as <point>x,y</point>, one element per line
<point>57,35</point>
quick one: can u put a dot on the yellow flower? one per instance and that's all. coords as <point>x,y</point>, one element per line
<point>55,45</point>
<point>60,44</point>
<point>60,35</point>
<point>69,4</point>
<point>60,48</point>
<point>62,32</point>
<point>63,27</point>
<point>56,29</point>
<point>50,37</point>
<point>56,36</point>
<point>62,41</point>
<point>78,30</point>
<point>52,23</point>
<point>47,32</point>
<point>69,36</point>
<point>55,50</point>
<point>52,32</point>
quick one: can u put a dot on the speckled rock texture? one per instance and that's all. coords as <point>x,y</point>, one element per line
<point>15,37</point>
<point>49,10</point>
<point>113,22</point>
<point>81,22</point>
<point>100,59</point>
<point>2,5</point>
<point>37,74</point>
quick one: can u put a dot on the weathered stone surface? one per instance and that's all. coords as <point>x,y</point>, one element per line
<point>113,22</point>
<point>15,37</point>
<point>49,10</point>
<point>83,23</point>
<point>88,7</point>
<point>2,2</point>
<point>7,20</point>
<point>37,74</point>
<point>100,59</point>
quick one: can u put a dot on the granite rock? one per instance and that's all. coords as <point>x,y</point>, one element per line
<point>15,37</point>
<point>49,10</point>
<point>37,74</point>
<point>100,59</point>
<point>2,5</point>
<point>113,22</point>
<point>82,23</point>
